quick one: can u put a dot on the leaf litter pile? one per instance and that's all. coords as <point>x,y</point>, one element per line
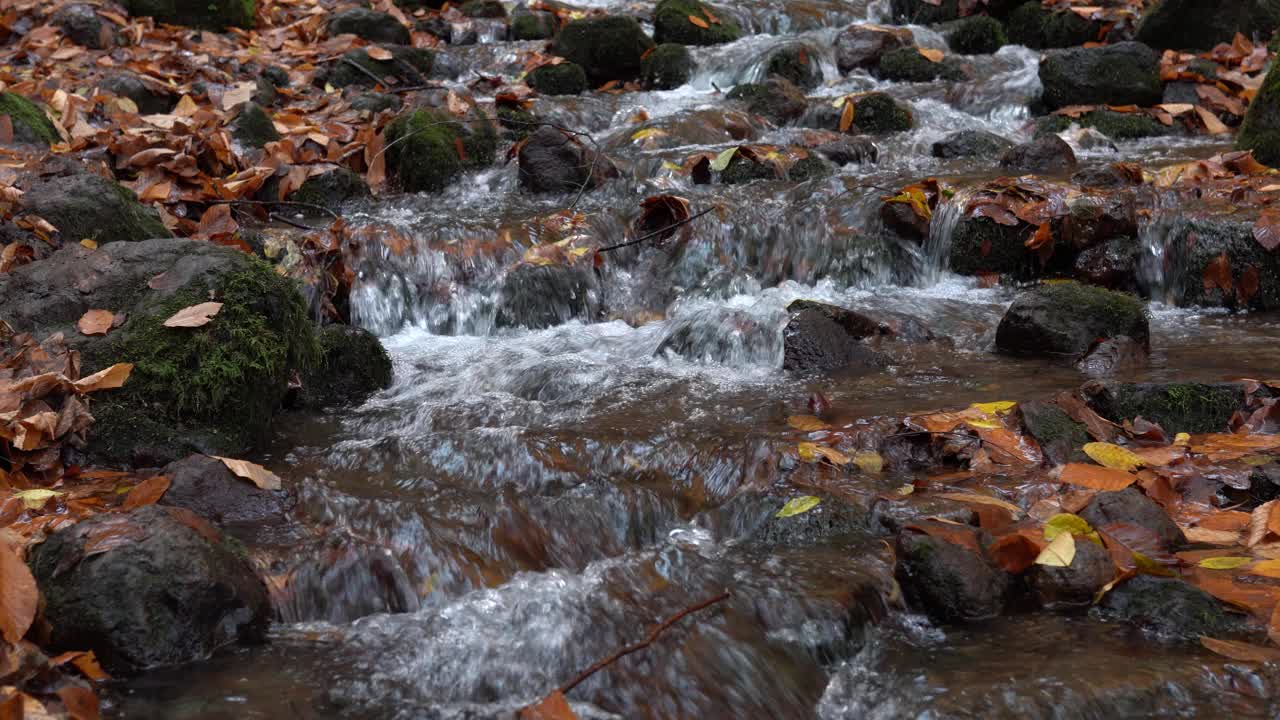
<point>1020,510</point>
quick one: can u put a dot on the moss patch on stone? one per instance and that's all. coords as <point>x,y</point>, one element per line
<point>423,148</point>
<point>207,14</point>
<point>1117,126</point>
<point>85,206</point>
<point>607,48</point>
<point>30,124</point>
<point>743,170</point>
<point>908,65</point>
<point>405,63</point>
<point>518,124</point>
<point>797,65</point>
<point>1260,131</point>
<point>560,79</point>
<point>1177,407</point>
<point>1035,27</point>
<point>809,168</point>
<point>880,114</point>
<point>671,24</point>
<point>353,365</point>
<point>978,35</point>
<point>532,26</point>
<point>668,67</point>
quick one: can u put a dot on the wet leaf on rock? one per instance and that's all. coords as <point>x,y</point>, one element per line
<point>18,595</point>
<point>722,160</point>
<point>1096,477</point>
<point>96,322</point>
<point>847,116</point>
<point>194,316</point>
<point>147,492</point>
<point>35,498</point>
<point>813,452</point>
<point>999,407</point>
<point>1266,229</point>
<point>931,54</point>
<point>1113,456</point>
<point>797,506</point>
<point>982,500</point>
<point>869,462</point>
<point>1014,553</point>
<point>108,379</point>
<point>252,472</point>
<point>1069,523</point>
<point>807,423</point>
<point>1266,568</point>
<point>1059,553</point>
<point>699,22</point>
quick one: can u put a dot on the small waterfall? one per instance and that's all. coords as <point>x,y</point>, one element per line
<point>937,248</point>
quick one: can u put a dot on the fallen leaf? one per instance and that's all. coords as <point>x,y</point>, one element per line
<point>996,408</point>
<point>194,316</point>
<point>108,379</point>
<point>869,462</point>
<point>36,498</point>
<point>96,322</point>
<point>252,472</point>
<point>931,54</point>
<point>807,423</point>
<point>1224,563</point>
<point>1096,477</point>
<point>699,22</point>
<point>1113,456</point>
<point>18,595</point>
<point>80,702</point>
<point>812,452</point>
<point>552,707</point>
<point>1266,568</point>
<point>982,500</point>
<point>1014,553</point>
<point>846,116</point>
<point>147,492</point>
<point>796,506</point>
<point>722,160</point>
<point>1069,523</point>
<point>1241,651</point>
<point>1059,553</point>
<point>1266,229</point>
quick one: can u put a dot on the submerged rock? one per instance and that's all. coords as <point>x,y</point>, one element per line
<point>825,337</point>
<point>970,143</point>
<point>1176,407</point>
<point>1045,154</point>
<point>1126,73</point>
<point>908,65</point>
<point>851,151</point>
<point>1066,318</point>
<point>1216,261</point>
<point>205,486</point>
<point>423,148</point>
<point>860,47</point>
<point>542,296</point>
<point>948,582</point>
<point>672,24</point>
<point>1168,608</point>
<point>331,189</point>
<point>30,124</point>
<point>796,63</point>
<point>167,589</point>
<point>559,79</point>
<point>216,15</point>
<point>1112,356</point>
<point>668,67</point>
<point>371,25</point>
<point>1131,507</point>
<point>1112,264</point>
<point>607,48</point>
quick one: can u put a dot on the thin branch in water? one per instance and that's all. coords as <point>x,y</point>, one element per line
<point>288,203</point>
<point>655,233</point>
<point>646,642</point>
<point>277,217</point>
<point>377,80</point>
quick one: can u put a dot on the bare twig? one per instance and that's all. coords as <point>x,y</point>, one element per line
<point>289,203</point>
<point>291,223</point>
<point>655,233</point>
<point>646,642</point>
<point>377,80</point>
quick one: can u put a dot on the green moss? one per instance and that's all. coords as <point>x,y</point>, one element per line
<point>332,188</point>
<point>671,24</point>
<point>30,124</point>
<point>86,206</point>
<point>880,114</point>
<point>1117,126</point>
<point>519,124</point>
<point>1260,131</point>
<point>809,168</point>
<point>1055,431</point>
<point>532,26</point>
<point>923,12</point>
<point>208,14</point>
<point>353,365</point>
<point>608,48</point>
<point>1115,312</point>
<point>742,170</point>
<point>908,65</point>
<point>253,127</point>
<point>423,148</point>
<point>409,64</point>
<point>1177,407</point>
<point>1197,25</point>
<point>561,79</point>
<point>978,35</point>
<point>668,67</point>
<point>483,9</point>
<point>797,65</point>
<point>775,99</point>
<point>1035,27</point>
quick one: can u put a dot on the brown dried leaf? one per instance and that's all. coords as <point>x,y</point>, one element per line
<point>252,472</point>
<point>108,379</point>
<point>1096,477</point>
<point>194,316</point>
<point>147,492</point>
<point>18,595</point>
<point>552,707</point>
<point>96,322</point>
<point>1240,651</point>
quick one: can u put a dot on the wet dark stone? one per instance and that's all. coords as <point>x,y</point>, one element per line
<point>353,365</point>
<point>83,205</point>
<point>375,102</point>
<point>538,297</point>
<point>1113,265</point>
<point>924,12</point>
<point>849,152</point>
<point>1169,608</point>
<point>1131,507</point>
<point>1106,177</point>
<point>170,589</point>
<point>551,161</point>
<point>1114,125</point>
<point>278,77</point>
<point>1112,356</point>
<point>371,25</point>
<point>1045,154</point>
<point>1064,319</point>
<point>798,64</point>
<point>216,15</point>
<point>971,143</point>
<point>977,35</point>
<point>150,101</point>
<point>539,25</point>
<point>742,169</point>
<point>825,337</point>
<point>1075,586</point>
<point>1202,24</point>
<point>832,521</point>
<point>205,486</point>
<point>776,99</point>
<point>608,48</point>
<point>879,114</point>
<point>908,65</point>
<point>668,67</point>
<point>860,47</point>
<point>409,65</point>
<point>1191,245</point>
<point>253,127</point>
<point>1126,73</point>
<point>948,582</point>
<point>671,24</point>
<point>982,245</point>
<point>81,24</point>
<point>1034,26</point>
<point>560,79</point>
<point>491,9</point>
<point>1058,435</point>
<point>1177,407</point>
<point>808,168</point>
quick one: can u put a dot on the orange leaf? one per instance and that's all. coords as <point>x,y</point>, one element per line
<point>80,702</point>
<point>552,707</point>
<point>460,148</point>
<point>194,316</point>
<point>107,379</point>
<point>96,322</point>
<point>846,117</point>
<point>931,54</point>
<point>252,472</point>
<point>699,22</point>
<point>1096,477</point>
<point>1211,122</point>
<point>1015,553</point>
<point>18,595</point>
<point>147,492</point>
<point>1241,651</point>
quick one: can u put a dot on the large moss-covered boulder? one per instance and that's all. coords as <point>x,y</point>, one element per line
<point>776,99</point>
<point>85,206</point>
<point>371,25</point>
<point>208,14</point>
<point>668,67</point>
<point>1260,131</point>
<point>861,46</point>
<point>1216,262</point>
<point>1126,73</point>
<point>211,389</point>
<point>971,143</point>
<point>1066,318</point>
<point>880,114</point>
<point>908,65</point>
<point>1202,24</point>
<point>423,148</point>
<point>559,79</point>
<point>1177,407</point>
<point>1115,125</point>
<point>797,63</point>
<point>167,589</point>
<point>533,25</point>
<point>30,124</point>
<point>672,24</point>
<point>352,366</point>
<point>408,65</point>
<point>1036,27</point>
<point>607,48</point>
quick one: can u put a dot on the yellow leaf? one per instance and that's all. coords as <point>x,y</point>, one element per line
<point>35,498</point>
<point>648,133</point>
<point>1074,524</point>
<point>108,379</point>
<point>796,506</point>
<point>870,462</point>
<point>906,489</point>
<point>722,160</point>
<point>807,423</point>
<point>1267,568</point>
<point>92,245</point>
<point>1182,439</point>
<point>1059,553</point>
<point>1224,563</point>
<point>984,424</point>
<point>813,452</point>
<point>995,408</point>
<point>1113,456</point>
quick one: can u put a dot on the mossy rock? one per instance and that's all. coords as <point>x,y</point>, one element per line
<point>85,206</point>
<point>331,189</point>
<point>207,14</point>
<point>978,35</point>
<point>797,64</point>
<point>483,9</point>
<point>1177,407</point>
<point>30,124</point>
<point>1059,436</point>
<point>981,245</point>
<point>744,170</point>
<point>427,159</point>
<point>517,124</point>
<point>533,26</point>
<point>924,12</point>
<point>1117,126</point>
<point>1202,24</point>
<point>1066,318</point>
<point>376,27</point>
<point>908,65</point>
<point>376,102</point>
<point>1034,26</point>
<point>671,24</point>
<point>410,65</point>
<point>560,79</point>
<point>809,168</point>
<point>775,99</point>
<point>253,127</point>
<point>607,48</point>
<point>668,67</point>
<point>1192,245</point>
<point>1260,131</point>
<point>1126,73</point>
<point>880,114</point>
<point>353,365</point>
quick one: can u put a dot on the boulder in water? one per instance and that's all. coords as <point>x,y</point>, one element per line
<point>167,589</point>
<point>798,64</point>
<point>879,114</point>
<point>542,296</point>
<point>30,125</point>
<point>1126,73</point>
<point>1202,24</point>
<point>83,206</point>
<point>1065,318</point>
<point>1260,131</point>
<point>205,486</point>
<point>672,23</point>
<point>1131,507</point>
<point>1169,608</point>
<point>423,148</point>
<point>909,65</point>
<point>850,152</point>
<point>977,35</point>
<point>1112,264</point>
<point>371,25</point>
<point>331,189</point>
<point>776,99</point>
<point>558,79</point>
<point>1074,586</point>
<point>537,25</point>
<point>1115,125</point>
<point>948,582</point>
<point>1047,154</point>
<point>924,12</point>
<point>1034,26</point>
<point>821,337</point>
<point>552,161</point>
<point>1112,356</point>
<point>1215,261</point>
<point>491,9</point>
<point>860,46</point>
<point>218,15</point>
<point>971,143</point>
<point>1176,407</point>
<point>608,48</point>
<point>353,365</point>
<point>668,67</point>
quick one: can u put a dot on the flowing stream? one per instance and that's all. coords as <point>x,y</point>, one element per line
<point>521,503</point>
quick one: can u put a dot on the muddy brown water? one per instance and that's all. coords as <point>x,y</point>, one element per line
<point>523,502</point>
